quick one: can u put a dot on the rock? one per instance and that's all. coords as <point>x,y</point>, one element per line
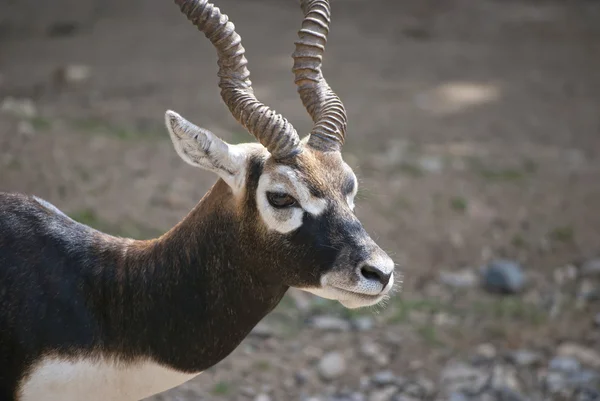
<point>565,274</point>
<point>262,330</point>
<point>363,323</point>
<point>301,377</point>
<point>591,268</point>
<point>586,356</point>
<point>23,108</point>
<point>431,164</point>
<point>461,279</point>
<point>444,319</point>
<point>508,394</point>
<point>525,357</point>
<point>384,378</point>
<point>504,377</point>
<point>454,396</point>
<point>597,319</point>
<point>587,291</point>
<point>554,382</point>
<point>427,386</point>
<point>504,276</point>
<point>405,397</point>
<point>564,364</point>
<point>262,397</point>
<point>72,74</point>
<point>330,323</point>
<point>385,394</point>
<point>248,391</point>
<point>373,351</point>
<point>588,394</point>
<point>301,299</point>
<point>584,377</point>
<point>486,351</point>
<point>332,366</point>
<point>460,377</point>
<point>25,128</point>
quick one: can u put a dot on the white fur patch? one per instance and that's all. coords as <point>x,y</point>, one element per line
<point>350,197</point>
<point>284,179</point>
<point>55,379</point>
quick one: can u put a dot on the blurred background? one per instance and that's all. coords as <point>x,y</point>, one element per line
<point>474,128</point>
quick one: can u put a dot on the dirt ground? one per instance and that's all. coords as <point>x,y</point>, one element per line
<point>474,128</point>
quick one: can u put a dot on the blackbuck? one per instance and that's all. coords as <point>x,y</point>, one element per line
<point>88,316</point>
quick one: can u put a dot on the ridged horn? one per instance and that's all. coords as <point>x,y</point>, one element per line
<point>270,128</point>
<point>324,106</point>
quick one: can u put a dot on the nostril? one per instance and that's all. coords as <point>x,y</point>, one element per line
<point>374,274</point>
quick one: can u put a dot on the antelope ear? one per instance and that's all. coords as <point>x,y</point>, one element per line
<point>201,148</point>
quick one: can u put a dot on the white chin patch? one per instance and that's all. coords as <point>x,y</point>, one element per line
<point>348,300</point>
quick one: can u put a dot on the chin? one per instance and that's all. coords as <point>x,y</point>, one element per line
<point>350,299</point>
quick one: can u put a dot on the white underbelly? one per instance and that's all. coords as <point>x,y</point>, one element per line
<point>55,379</point>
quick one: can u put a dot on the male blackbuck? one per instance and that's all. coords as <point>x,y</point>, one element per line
<point>88,316</point>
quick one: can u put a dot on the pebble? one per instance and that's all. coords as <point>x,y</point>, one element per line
<point>524,357</point>
<point>460,377</point>
<point>504,276</point>
<point>363,323</point>
<point>508,394</point>
<point>262,397</point>
<point>431,164</point>
<point>587,291</point>
<point>330,323</point>
<point>72,74</point>
<point>384,378</point>
<point>262,330</point>
<point>591,268</point>
<point>586,356</point>
<point>332,366</point>
<point>385,394</point>
<point>24,108</point>
<point>564,364</point>
<point>554,382</point>
<point>25,128</point>
<point>585,377</point>
<point>373,351</point>
<point>504,377</point>
<point>564,274</point>
<point>486,351</point>
<point>445,319</point>
<point>461,279</point>
<point>456,396</point>
<point>301,377</point>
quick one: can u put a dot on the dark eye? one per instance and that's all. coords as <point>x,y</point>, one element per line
<point>280,200</point>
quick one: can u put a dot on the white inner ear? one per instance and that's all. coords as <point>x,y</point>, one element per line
<point>284,179</point>
<point>201,148</point>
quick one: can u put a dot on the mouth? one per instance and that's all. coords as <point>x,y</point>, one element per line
<point>349,298</point>
<point>352,300</point>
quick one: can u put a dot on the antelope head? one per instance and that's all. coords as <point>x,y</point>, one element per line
<point>292,198</point>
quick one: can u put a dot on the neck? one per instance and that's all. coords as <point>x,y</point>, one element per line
<point>189,298</point>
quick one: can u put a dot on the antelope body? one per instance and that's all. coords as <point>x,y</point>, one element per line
<point>88,316</point>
